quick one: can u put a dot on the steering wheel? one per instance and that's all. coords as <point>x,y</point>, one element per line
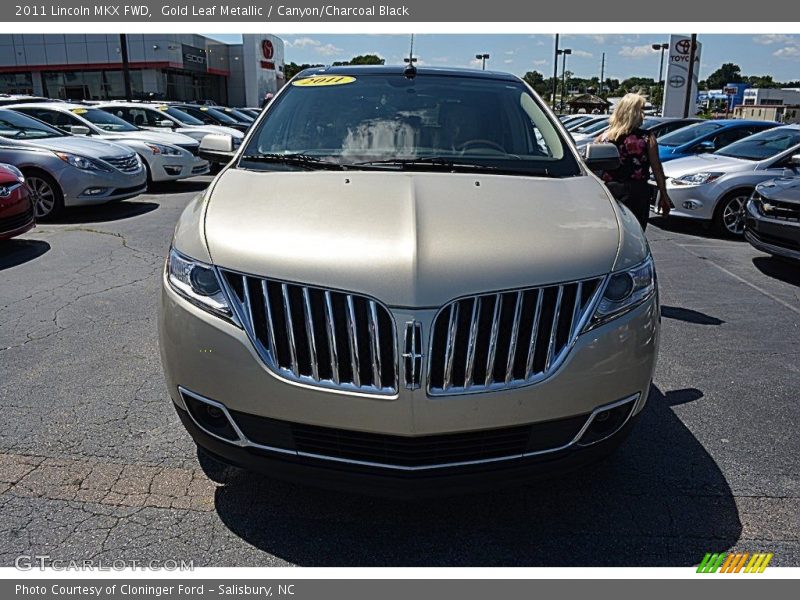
<point>480,143</point>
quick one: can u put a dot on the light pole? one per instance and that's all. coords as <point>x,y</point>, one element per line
<point>482,58</point>
<point>563,52</point>
<point>661,47</point>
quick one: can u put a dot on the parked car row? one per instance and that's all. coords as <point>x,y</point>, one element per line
<point>85,153</point>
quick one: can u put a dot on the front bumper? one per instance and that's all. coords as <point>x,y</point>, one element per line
<point>773,236</point>
<point>212,359</point>
<point>16,213</point>
<point>172,168</point>
<point>689,201</point>
<point>116,185</point>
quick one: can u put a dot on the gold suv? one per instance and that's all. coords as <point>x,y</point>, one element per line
<point>407,279</point>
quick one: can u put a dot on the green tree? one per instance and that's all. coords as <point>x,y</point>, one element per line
<point>291,69</point>
<point>540,85</point>
<point>362,59</point>
<point>727,73</point>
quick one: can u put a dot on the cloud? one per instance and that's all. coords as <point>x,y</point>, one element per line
<point>582,54</point>
<point>539,63</point>
<point>509,52</point>
<point>440,59</point>
<point>303,42</point>
<point>790,52</point>
<point>643,51</point>
<point>775,38</point>
<point>327,50</point>
<point>508,61</point>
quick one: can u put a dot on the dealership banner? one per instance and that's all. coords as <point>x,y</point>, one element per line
<point>216,11</point>
<point>678,78</point>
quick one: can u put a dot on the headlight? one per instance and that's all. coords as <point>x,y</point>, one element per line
<point>198,283</point>
<point>82,162</point>
<point>697,178</point>
<point>624,291</point>
<point>164,149</point>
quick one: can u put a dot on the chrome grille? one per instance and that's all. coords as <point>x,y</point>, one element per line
<point>126,164</point>
<point>317,336</point>
<point>782,211</point>
<point>194,149</point>
<point>507,339</point>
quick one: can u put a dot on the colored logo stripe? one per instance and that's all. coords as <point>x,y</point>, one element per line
<point>733,563</point>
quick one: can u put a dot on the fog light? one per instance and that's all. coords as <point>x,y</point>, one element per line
<point>173,169</point>
<point>691,205</point>
<point>94,191</point>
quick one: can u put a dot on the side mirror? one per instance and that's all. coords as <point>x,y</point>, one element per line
<point>602,157</point>
<point>80,130</point>
<point>217,147</point>
<point>166,123</point>
<point>706,146</point>
<point>795,160</point>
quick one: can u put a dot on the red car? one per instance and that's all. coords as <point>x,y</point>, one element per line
<point>16,206</point>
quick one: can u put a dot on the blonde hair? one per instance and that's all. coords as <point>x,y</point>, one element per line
<point>627,116</point>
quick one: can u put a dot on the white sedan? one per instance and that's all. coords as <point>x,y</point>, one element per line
<point>167,155</point>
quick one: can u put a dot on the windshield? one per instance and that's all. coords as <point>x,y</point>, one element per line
<point>215,114</point>
<point>17,126</point>
<point>181,116</point>
<point>103,120</point>
<point>239,115</point>
<point>479,122</point>
<point>594,127</point>
<point>688,134</point>
<point>763,145</point>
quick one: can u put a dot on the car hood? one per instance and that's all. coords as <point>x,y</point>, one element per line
<point>706,162</point>
<point>784,189</point>
<point>93,148</point>
<point>214,129</point>
<point>156,137</point>
<point>411,239</point>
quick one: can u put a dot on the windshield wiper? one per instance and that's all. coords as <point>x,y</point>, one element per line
<point>448,164</point>
<point>298,159</point>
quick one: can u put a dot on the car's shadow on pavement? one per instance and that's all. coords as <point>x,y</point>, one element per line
<point>178,187</point>
<point>689,227</point>
<point>660,500</point>
<point>777,268</point>
<point>103,213</point>
<point>19,251</point>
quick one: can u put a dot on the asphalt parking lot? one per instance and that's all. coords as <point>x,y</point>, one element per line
<point>95,464</point>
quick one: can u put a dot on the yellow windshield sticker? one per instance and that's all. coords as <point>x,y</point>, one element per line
<point>203,108</point>
<point>163,107</point>
<point>324,80</point>
<point>79,111</point>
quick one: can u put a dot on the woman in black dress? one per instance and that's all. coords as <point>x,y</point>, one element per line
<point>638,152</point>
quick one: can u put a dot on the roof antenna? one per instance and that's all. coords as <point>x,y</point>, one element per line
<point>410,71</point>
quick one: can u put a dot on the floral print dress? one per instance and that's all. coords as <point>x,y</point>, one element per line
<point>634,159</point>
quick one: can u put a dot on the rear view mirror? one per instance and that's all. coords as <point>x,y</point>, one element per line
<point>602,157</point>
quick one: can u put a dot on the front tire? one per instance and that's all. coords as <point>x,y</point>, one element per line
<point>729,216</point>
<point>47,196</point>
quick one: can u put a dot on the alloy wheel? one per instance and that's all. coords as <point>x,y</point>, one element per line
<point>44,197</point>
<point>733,214</point>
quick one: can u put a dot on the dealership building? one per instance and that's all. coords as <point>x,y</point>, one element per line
<point>162,66</point>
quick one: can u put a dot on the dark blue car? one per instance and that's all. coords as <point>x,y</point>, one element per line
<point>707,136</point>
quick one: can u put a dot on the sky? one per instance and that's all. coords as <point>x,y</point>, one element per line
<point>626,55</point>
